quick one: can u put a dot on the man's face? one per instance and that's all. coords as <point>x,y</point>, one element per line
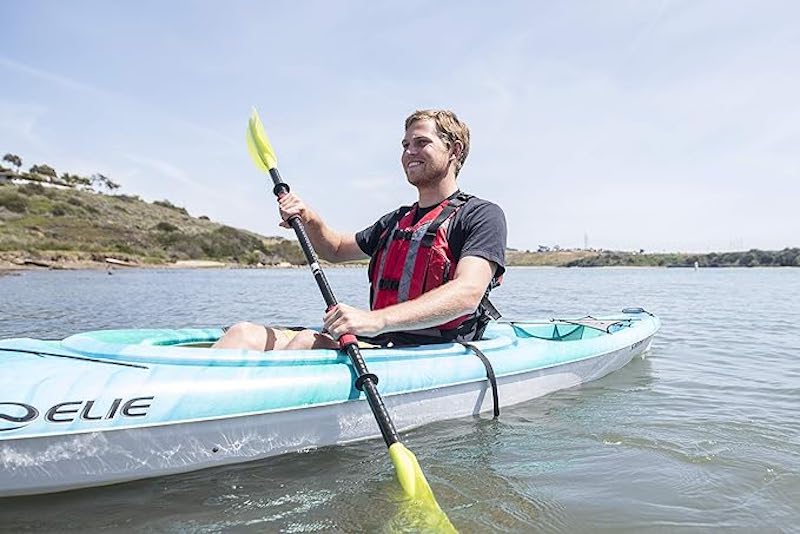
<point>425,156</point>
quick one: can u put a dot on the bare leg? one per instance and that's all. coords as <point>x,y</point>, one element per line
<point>253,336</point>
<point>309,339</point>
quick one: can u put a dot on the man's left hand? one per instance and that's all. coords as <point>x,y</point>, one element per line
<point>343,319</point>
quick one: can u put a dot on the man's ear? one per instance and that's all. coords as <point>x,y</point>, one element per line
<point>458,149</point>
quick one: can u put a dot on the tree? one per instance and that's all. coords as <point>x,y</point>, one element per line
<point>100,181</point>
<point>749,259</point>
<point>14,160</point>
<point>73,180</point>
<point>44,170</point>
<point>788,257</point>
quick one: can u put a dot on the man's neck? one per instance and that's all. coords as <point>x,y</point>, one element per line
<point>435,193</point>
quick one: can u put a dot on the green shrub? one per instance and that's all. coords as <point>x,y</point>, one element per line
<point>253,257</point>
<point>170,205</point>
<point>32,189</point>
<point>13,201</point>
<point>125,248</point>
<point>81,206</point>
<point>165,226</point>
<point>289,250</point>
<point>186,249</point>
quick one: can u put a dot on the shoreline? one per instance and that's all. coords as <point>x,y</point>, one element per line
<point>15,269</point>
<point>21,261</point>
<point>28,265</point>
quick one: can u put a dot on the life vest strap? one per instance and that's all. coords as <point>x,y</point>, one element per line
<point>490,308</point>
<point>402,235</point>
<point>386,283</point>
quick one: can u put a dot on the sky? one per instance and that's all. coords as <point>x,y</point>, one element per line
<point>658,125</point>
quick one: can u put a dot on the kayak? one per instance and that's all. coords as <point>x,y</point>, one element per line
<point>111,406</point>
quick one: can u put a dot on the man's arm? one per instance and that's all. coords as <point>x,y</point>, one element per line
<point>329,244</point>
<point>458,297</point>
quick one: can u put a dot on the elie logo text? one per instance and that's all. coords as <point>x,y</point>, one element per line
<point>14,415</point>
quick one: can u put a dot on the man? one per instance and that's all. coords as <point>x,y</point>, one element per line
<point>431,264</point>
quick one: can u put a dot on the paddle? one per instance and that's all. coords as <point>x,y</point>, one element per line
<point>405,463</point>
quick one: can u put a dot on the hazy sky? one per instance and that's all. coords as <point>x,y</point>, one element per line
<point>663,125</point>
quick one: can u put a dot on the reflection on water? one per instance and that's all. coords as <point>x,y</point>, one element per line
<point>702,434</point>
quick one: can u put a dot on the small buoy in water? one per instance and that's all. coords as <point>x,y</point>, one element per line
<point>696,266</point>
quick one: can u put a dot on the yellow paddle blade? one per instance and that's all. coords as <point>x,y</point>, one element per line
<point>258,144</point>
<point>413,482</point>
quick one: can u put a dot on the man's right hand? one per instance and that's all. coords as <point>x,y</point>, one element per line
<point>329,244</point>
<point>290,205</point>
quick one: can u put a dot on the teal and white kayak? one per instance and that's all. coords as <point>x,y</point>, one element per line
<point>111,406</point>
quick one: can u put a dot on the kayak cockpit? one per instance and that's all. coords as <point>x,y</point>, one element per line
<point>191,346</point>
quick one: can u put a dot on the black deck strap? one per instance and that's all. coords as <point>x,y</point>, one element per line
<point>591,322</point>
<point>489,374</point>
<point>360,380</point>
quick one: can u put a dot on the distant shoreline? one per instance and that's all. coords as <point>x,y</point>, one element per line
<point>8,268</point>
<point>22,260</point>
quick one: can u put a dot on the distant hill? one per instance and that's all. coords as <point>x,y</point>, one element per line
<point>788,257</point>
<point>64,224</point>
<point>549,258</point>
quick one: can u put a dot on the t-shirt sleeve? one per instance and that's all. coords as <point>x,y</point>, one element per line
<point>367,239</point>
<point>485,235</point>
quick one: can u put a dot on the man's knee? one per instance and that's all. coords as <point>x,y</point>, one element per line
<point>243,329</point>
<point>247,335</point>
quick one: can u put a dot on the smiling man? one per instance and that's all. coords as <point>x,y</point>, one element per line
<point>432,264</point>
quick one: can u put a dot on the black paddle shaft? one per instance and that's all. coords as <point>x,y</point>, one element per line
<point>365,381</point>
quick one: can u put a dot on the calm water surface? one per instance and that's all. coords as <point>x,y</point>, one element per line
<point>703,434</point>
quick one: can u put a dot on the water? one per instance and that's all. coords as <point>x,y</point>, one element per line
<point>701,435</point>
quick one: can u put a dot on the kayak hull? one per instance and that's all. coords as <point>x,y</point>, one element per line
<point>75,447</point>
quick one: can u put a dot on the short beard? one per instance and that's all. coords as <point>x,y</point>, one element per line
<point>426,179</point>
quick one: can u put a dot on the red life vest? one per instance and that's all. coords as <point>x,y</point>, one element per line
<point>414,258</point>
